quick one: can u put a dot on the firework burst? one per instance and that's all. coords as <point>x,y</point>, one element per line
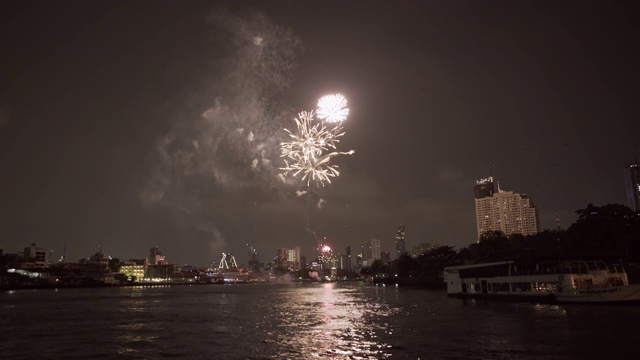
<point>308,155</point>
<point>333,108</point>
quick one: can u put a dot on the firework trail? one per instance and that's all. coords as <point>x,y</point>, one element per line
<point>312,147</point>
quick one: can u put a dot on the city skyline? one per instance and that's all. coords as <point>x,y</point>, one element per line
<point>131,125</point>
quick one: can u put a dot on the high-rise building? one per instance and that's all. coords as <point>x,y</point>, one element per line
<point>400,245</point>
<point>372,251</point>
<point>294,258</point>
<point>632,180</point>
<point>288,259</point>
<point>505,211</point>
<point>348,259</point>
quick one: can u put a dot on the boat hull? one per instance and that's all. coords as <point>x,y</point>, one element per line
<point>533,298</point>
<point>572,281</point>
<point>619,294</point>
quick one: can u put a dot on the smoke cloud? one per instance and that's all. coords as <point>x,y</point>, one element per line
<point>235,142</point>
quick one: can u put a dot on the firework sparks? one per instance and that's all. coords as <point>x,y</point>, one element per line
<point>312,147</point>
<point>333,108</point>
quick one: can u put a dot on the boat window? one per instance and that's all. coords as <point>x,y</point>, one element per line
<point>485,271</point>
<point>545,287</point>
<point>579,267</point>
<point>524,286</point>
<point>500,287</point>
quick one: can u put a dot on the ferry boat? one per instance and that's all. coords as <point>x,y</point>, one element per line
<point>571,281</point>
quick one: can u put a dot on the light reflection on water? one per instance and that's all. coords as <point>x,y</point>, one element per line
<point>301,321</point>
<point>324,321</point>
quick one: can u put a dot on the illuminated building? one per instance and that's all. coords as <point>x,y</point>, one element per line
<point>632,180</point>
<point>400,245</point>
<point>134,269</point>
<point>505,211</point>
<point>288,259</point>
<point>348,265</point>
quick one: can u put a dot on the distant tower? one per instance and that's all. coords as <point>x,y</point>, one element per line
<point>632,180</point>
<point>505,211</point>
<point>349,267</point>
<point>400,245</point>
<point>372,251</point>
<point>254,259</point>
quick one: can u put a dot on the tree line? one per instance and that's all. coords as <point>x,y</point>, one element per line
<point>610,232</point>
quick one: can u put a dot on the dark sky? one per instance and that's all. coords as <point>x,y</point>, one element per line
<point>139,123</point>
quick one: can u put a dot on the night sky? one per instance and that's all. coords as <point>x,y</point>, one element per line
<point>139,123</point>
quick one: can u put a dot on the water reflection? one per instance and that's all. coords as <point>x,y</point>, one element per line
<point>328,321</point>
<point>137,321</point>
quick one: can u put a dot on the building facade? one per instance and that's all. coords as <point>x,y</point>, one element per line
<point>505,211</point>
<point>36,257</point>
<point>289,259</point>
<point>632,182</point>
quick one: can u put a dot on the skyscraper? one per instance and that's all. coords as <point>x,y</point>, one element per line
<point>400,245</point>
<point>288,259</point>
<point>632,180</point>
<point>348,258</point>
<point>505,211</point>
<point>372,251</point>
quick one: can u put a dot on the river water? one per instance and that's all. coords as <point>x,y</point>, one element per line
<point>348,320</point>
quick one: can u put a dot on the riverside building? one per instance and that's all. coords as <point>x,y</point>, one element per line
<point>505,211</point>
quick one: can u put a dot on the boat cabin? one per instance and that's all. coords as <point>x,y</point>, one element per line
<point>531,279</point>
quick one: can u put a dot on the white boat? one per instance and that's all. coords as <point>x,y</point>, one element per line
<point>571,281</point>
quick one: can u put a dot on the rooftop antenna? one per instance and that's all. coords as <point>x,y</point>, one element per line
<point>491,168</point>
